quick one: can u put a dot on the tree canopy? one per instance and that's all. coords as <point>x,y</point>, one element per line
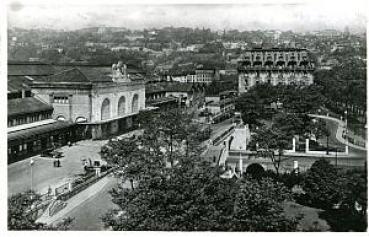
<point>190,195</point>
<point>21,218</point>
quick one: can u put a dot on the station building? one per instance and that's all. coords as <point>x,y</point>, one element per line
<point>104,101</point>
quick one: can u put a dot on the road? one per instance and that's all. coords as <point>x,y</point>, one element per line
<point>356,158</point>
<point>339,131</point>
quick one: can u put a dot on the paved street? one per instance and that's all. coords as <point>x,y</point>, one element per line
<point>339,131</point>
<point>220,127</point>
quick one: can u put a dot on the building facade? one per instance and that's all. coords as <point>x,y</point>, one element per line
<point>220,107</point>
<point>274,66</point>
<point>105,100</point>
<point>32,130</point>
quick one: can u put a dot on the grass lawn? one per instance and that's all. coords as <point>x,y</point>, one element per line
<point>310,220</point>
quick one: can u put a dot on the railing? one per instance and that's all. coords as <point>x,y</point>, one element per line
<point>223,135</point>
<point>80,187</point>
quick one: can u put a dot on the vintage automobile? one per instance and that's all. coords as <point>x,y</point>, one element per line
<point>51,153</point>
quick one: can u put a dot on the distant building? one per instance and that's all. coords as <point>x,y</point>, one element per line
<point>220,107</point>
<point>189,95</point>
<point>274,66</point>
<point>155,94</point>
<point>206,75</point>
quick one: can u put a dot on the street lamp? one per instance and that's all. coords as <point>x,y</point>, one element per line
<point>31,164</point>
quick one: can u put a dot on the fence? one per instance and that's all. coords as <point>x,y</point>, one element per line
<point>80,187</point>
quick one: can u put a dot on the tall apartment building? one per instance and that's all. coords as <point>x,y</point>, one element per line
<point>274,66</point>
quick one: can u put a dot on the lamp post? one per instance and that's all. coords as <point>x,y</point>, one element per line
<point>346,138</point>
<point>31,165</point>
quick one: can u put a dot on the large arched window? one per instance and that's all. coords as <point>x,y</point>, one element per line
<point>122,106</point>
<point>105,109</point>
<point>135,103</point>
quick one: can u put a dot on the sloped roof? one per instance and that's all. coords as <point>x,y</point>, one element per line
<point>26,106</point>
<point>85,74</point>
<point>70,75</point>
<point>97,74</point>
<point>18,83</point>
<point>39,130</point>
<point>178,87</point>
<point>154,87</point>
<point>29,69</point>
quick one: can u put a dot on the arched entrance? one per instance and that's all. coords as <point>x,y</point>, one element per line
<point>255,170</point>
<point>135,103</point>
<point>122,106</point>
<point>105,109</point>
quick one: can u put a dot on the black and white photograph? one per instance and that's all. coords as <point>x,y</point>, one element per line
<point>196,116</point>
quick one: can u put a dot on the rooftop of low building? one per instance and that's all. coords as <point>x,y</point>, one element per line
<point>27,105</point>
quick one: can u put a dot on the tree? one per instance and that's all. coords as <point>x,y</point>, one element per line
<point>258,207</point>
<point>323,185</point>
<point>292,124</point>
<point>271,140</point>
<point>20,216</point>
<point>126,155</point>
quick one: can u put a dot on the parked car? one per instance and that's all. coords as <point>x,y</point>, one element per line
<point>51,153</point>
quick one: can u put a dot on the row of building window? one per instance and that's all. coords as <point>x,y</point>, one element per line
<point>36,145</point>
<point>275,56</point>
<point>61,99</point>
<point>28,119</point>
<point>23,148</point>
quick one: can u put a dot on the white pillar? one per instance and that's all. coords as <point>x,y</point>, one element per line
<point>70,186</point>
<point>307,145</point>
<point>346,150</point>
<point>293,144</point>
<point>295,164</point>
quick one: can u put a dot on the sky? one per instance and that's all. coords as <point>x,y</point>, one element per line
<point>296,15</point>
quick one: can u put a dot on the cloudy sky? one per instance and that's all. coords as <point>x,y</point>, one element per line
<point>299,15</point>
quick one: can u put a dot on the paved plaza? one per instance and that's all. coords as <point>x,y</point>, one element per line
<point>45,175</point>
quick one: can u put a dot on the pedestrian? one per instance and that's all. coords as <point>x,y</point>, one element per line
<point>49,191</point>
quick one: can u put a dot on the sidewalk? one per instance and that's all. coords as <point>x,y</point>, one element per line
<point>340,130</point>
